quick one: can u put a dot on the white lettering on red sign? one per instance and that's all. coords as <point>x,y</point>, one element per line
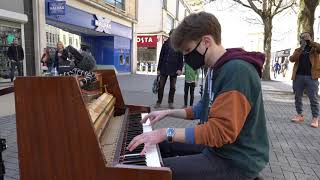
<point>144,40</point>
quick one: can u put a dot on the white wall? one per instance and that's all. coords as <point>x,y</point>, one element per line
<point>149,16</point>
<point>172,7</point>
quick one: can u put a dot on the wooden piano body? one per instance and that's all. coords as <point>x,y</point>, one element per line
<point>55,135</point>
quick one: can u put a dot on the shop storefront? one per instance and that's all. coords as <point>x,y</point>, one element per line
<point>109,42</point>
<point>11,27</point>
<point>147,53</point>
<point>149,48</point>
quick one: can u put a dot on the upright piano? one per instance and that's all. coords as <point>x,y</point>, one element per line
<point>63,134</point>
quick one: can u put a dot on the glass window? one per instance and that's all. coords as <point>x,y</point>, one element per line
<point>117,3</point>
<point>64,40</point>
<point>77,44</point>
<point>170,23</point>
<point>127,60</point>
<point>165,4</point>
<point>70,41</point>
<point>182,11</point>
<point>50,38</point>
<point>7,34</point>
<point>121,59</point>
<point>47,37</point>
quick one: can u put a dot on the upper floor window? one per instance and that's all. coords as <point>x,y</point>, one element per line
<point>170,23</point>
<point>165,4</point>
<point>117,3</point>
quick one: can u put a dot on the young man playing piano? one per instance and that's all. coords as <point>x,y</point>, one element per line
<point>232,141</point>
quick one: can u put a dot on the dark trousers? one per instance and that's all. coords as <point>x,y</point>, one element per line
<point>188,86</point>
<point>193,162</point>
<point>312,86</point>
<point>163,80</point>
<point>15,64</point>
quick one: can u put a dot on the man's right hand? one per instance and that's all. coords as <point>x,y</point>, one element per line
<point>155,116</point>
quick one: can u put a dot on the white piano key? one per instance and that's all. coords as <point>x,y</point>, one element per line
<point>152,156</point>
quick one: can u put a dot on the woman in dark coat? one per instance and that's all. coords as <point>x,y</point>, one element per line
<point>61,57</point>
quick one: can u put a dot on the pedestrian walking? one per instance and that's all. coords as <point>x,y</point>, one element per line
<point>170,65</point>
<point>305,75</point>
<point>46,60</point>
<point>16,55</point>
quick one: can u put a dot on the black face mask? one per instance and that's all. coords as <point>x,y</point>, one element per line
<point>194,59</point>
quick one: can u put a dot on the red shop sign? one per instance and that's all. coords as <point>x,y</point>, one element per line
<point>147,41</point>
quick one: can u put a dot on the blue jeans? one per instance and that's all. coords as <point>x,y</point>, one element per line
<point>312,86</point>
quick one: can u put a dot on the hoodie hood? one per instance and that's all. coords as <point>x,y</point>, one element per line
<point>255,58</point>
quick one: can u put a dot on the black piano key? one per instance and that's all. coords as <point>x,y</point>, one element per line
<point>136,157</point>
<point>135,162</point>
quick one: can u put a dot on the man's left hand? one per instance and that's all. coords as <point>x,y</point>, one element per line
<point>148,139</point>
<point>179,72</point>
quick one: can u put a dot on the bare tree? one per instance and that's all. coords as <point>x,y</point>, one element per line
<point>267,9</point>
<point>306,16</point>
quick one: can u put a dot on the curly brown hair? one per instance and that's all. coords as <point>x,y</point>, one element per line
<point>193,27</point>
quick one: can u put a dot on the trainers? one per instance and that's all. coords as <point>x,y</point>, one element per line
<point>314,122</point>
<point>157,105</point>
<point>171,106</point>
<point>297,118</point>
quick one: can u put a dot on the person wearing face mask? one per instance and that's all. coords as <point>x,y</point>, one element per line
<point>170,64</point>
<point>305,75</point>
<point>231,142</point>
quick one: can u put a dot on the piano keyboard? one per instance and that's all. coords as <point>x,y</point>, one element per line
<point>152,155</point>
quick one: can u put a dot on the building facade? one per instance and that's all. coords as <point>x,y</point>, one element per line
<point>14,19</point>
<point>106,26</point>
<point>155,20</point>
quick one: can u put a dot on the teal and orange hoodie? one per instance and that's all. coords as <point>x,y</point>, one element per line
<point>236,125</point>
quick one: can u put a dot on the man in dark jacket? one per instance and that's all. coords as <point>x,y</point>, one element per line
<point>170,64</point>
<point>16,55</point>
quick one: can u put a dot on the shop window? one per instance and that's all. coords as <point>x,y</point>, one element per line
<point>77,44</point>
<point>127,60</point>
<point>117,3</point>
<point>53,38</point>
<point>121,59</point>
<point>70,41</point>
<point>7,35</point>
<point>47,37</point>
<point>64,40</point>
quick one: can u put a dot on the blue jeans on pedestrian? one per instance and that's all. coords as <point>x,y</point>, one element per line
<point>302,83</point>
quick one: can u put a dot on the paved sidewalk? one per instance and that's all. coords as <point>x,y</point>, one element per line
<point>294,148</point>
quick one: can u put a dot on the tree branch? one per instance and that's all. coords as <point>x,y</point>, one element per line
<point>282,9</point>
<point>278,6</point>
<point>243,4</point>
